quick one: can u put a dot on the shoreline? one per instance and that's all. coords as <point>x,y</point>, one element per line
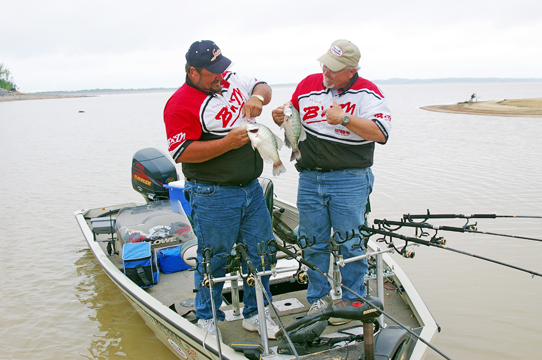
<point>21,96</point>
<point>512,107</point>
<point>506,107</point>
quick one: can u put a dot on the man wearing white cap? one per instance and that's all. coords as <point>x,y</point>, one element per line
<point>343,116</point>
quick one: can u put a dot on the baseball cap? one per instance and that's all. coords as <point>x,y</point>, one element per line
<point>206,54</point>
<point>341,54</point>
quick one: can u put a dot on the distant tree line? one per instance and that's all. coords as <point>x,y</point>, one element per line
<point>5,79</point>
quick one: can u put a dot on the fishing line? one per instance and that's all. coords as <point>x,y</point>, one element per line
<point>274,244</point>
<point>207,254</point>
<point>252,269</point>
<point>466,228</point>
<point>431,243</point>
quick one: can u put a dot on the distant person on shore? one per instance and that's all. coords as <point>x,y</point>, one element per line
<point>202,120</point>
<point>344,116</point>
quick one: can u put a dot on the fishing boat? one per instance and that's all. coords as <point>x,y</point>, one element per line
<point>391,321</point>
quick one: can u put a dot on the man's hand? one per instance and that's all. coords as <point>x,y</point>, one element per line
<point>334,115</point>
<point>253,107</point>
<point>278,115</point>
<point>237,137</point>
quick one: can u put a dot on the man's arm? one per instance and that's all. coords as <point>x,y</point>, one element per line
<point>365,128</point>
<point>200,151</point>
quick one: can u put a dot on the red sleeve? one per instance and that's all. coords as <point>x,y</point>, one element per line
<point>310,83</point>
<point>181,117</point>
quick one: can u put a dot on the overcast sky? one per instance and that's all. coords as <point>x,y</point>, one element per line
<point>71,45</point>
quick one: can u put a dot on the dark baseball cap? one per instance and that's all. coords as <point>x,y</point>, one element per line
<point>206,54</point>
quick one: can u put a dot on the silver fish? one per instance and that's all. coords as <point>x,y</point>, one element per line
<point>293,130</point>
<point>267,144</point>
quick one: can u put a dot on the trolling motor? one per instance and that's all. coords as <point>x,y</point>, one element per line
<point>305,332</point>
<point>274,246</point>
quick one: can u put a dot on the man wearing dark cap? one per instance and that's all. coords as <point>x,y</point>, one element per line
<point>221,168</point>
<point>343,116</point>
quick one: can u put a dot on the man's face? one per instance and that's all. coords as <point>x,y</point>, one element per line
<point>336,79</point>
<point>206,80</point>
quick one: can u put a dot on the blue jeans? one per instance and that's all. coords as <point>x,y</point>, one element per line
<point>333,200</point>
<point>223,216</point>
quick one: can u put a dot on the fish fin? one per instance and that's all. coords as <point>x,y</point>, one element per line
<point>287,142</point>
<point>302,134</point>
<point>296,155</point>
<point>279,141</point>
<point>278,168</point>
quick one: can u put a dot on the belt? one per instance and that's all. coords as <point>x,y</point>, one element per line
<point>217,183</point>
<point>300,169</point>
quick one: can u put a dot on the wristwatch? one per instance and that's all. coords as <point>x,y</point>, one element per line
<point>346,119</point>
<point>259,97</point>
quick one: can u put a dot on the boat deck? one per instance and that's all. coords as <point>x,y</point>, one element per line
<point>175,291</point>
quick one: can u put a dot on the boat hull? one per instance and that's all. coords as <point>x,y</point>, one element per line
<point>187,341</point>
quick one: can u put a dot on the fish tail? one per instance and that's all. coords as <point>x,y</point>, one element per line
<point>278,168</point>
<point>296,155</point>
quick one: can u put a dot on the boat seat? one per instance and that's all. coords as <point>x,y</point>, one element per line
<point>292,236</point>
<point>267,187</point>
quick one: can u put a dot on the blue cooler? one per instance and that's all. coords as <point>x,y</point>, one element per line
<point>176,194</point>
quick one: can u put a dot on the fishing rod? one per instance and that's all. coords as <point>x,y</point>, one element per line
<point>252,269</point>
<point>438,242</point>
<point>273,244</point>
<point>465,216</point>
<point>208,282</point>
<point>464,229</point>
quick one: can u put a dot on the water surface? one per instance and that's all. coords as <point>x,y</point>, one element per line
<point>58,304</point>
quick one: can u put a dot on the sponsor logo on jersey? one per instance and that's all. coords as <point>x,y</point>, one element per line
<point>180,137</point>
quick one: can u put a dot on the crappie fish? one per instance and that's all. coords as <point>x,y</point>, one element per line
<point>267,144</point>
<point>293,130</point>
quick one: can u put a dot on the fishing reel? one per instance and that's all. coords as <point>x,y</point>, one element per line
<point>267,260</point>
<point>301,276</point>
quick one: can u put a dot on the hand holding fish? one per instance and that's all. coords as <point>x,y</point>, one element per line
<point>253,107</point>
<point>278,114</point>
<point>334,115</point>
<point>236,138</point>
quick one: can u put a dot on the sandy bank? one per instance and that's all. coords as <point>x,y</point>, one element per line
<point>514,107</point>
<point>14,96</point>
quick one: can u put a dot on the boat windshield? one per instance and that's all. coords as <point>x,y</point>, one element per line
<point>156,223</point>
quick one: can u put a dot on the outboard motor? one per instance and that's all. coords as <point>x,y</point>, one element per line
<point>151,169</point>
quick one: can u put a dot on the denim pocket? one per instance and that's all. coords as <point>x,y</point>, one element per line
<point>358,172</point>
<point>203,190</point>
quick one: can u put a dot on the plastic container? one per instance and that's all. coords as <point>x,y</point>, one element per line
<point>176,195</point>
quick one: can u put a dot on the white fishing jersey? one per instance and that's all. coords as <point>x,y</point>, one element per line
<point>334,147</point>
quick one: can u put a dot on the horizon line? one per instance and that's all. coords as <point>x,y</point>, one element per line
<point>397,81</point>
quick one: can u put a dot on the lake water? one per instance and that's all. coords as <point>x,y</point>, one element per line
<point>56,302</point>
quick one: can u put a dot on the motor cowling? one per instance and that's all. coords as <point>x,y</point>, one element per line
<point>151,169</point>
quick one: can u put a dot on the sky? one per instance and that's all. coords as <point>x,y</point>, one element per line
<point>66,45</point>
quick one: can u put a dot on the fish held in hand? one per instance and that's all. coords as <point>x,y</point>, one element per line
<point>267,144</point>
<point>293,130</point>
